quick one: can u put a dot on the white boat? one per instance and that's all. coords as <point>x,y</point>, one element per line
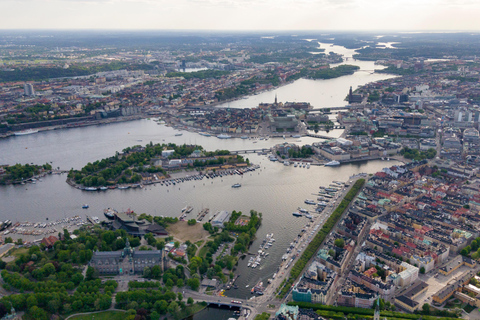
<point>308,165</point>
<point>308,201</point>
<point>295,164</point>
<point>205,134</point>
<point>286,163</point>
<point>25,132</point>
<point>236,185</point>
<point>90,189</point>
<point>223,136</point>
<point>332,163</point>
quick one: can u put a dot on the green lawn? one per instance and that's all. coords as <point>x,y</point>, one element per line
<point>105,315</point>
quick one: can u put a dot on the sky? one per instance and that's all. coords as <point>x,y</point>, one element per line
<point>351,15</point>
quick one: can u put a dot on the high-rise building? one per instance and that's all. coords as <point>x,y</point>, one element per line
<point>28,89</point>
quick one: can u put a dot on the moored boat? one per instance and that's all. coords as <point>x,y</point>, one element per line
<point>332,163</point>
<point>109,213</point>
<point>25,132</point>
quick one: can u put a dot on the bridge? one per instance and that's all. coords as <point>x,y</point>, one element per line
<point>313,135</point>
<point>331,108</point>
<point>250,151</point>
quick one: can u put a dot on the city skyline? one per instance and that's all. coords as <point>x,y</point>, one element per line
<point>365,15</point>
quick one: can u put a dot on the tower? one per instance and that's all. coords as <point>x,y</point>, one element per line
<point>350,95</point>
<point>28,90</point>
<point>276,102</point>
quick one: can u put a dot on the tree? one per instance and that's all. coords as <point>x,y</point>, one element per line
<point>339,242</point>
<point>90,274</point>
<point>193,283</point>
<point>190,300</point>
<point>426,308</point>
<point>179,297</point>
<point>422,270</point>
<point>173,307</point>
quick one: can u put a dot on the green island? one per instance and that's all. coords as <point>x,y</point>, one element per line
<point>318,239</point>
<point>324,73</point>
<point>47,280</point>
<point>146,164</point>
<point>18,172</point>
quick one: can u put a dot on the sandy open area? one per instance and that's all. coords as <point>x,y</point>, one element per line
<point>182,232</point>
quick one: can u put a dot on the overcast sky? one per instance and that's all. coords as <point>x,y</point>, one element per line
<point>242,14</point>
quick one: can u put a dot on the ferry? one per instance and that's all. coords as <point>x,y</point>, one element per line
<point>332,163</point>
<point>109,213</point>
<point>85,206</point>
<point>25,132</point>
<point>223,136</point>
<point>205,134</point>
<point>236,185</point>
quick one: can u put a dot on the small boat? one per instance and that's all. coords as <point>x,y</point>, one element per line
<point>90,189</point>
<point>297,214</point>
<point>85,206</point>
<point>244,137</point>
<point>103,188</point>
<point>178,134</point>
<point>332,163</point>
<point>308,201</point>
<point>236,185</point>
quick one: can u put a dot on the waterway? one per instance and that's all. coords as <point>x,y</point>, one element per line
<point>320,93</point>
<point>274,190</point>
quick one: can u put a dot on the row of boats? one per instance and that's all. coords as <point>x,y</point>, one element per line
<point>262,253</point>
<point>176,181</point>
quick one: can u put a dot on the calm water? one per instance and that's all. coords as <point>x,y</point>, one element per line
<point>274,190</point>
<point>320,93</point>
<point>213,313</point>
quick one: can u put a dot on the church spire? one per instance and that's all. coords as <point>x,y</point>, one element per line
<point>276,99</point>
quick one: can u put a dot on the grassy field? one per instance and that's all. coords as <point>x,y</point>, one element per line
<point>105,315</point>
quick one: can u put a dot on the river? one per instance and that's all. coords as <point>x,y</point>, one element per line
<point>320,93</point>
<point>274,189</point>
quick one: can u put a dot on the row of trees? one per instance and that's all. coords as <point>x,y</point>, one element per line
<point>340,312</point>
<point>320,236</point>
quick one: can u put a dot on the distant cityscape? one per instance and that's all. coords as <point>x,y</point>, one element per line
<point>401,243</point>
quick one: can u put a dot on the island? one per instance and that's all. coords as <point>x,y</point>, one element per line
<point>136,166</point>
<point>20,174</point>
